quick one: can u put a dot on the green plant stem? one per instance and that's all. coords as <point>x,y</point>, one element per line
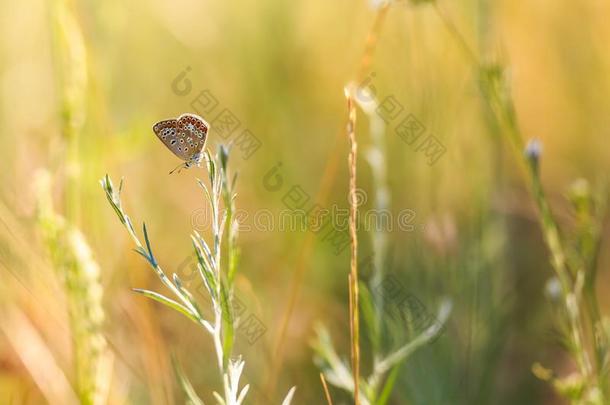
<point>455,33</point>
<point>501,104</point>
<point>553,240</point>
<point>221,328</point>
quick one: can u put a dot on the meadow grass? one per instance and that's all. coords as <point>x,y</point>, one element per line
<point>589,384</point>
<point>66,244</point>
<point>491,341</point>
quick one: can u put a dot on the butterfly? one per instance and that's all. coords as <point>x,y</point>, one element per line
<point>185,137</point>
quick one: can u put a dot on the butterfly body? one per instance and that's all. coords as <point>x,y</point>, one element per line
<point>185,137</point>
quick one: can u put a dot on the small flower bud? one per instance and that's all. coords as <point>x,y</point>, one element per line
<point>533,150</point>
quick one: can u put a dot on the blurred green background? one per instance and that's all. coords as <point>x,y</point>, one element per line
<point>280,67</point>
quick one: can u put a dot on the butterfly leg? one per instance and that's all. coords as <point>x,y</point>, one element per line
<point>180,167</point>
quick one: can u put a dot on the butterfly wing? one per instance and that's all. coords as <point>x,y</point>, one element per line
<point>167,132</point>
<point>192,133</point>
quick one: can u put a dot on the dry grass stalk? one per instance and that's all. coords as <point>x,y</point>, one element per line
<point>329,400</point>
<point>328,179</point>
<point>353,276</point>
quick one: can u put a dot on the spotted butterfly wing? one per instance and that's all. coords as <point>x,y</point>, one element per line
<point>192,134</point>
<point>184,136</point>
<point>167,132</point>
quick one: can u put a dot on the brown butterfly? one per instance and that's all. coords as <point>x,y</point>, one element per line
<point>185,137</point>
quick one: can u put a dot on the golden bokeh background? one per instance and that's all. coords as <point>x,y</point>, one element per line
<point>111,69</point>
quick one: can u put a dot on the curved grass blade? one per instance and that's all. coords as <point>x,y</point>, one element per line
<point>168,302</point>
<point>187,387</point>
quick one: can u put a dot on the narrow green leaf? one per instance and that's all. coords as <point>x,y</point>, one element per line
<point>388,387</point>
<point>233,263</point>
<point>208,253</point>
<point>150,253</point>
<point>218,398</point>
<point>205,271</point>
<point>223,154</point>
<point>187,295</point>
<point>227,322</point>
<point>142,252</point>
<point>168,302</point>
<point>423,338</point>
<point>205,190</point>
<point>289,396</point>
<point>110,196</point>
<point>211,170</point>
<point>233,182</point>
<point>186,385</point>
<point>369,315</point>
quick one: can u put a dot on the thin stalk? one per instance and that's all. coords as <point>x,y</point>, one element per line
<point>353,276</point>
<point>457,35</point>
<point>552,238</point>
<point>370,44</point>
<point>503,109</point>
<point>325,188</point>
<point>329,400</point>
<point>550,231</point>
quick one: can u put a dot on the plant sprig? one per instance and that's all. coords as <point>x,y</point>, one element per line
<point>217,279</point>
